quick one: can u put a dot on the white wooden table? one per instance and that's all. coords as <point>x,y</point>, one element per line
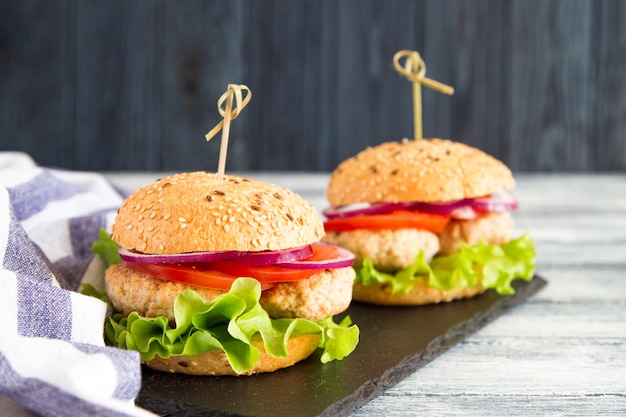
<point>563,352</point>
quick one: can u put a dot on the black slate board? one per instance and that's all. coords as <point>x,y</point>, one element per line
<point>395,342</point>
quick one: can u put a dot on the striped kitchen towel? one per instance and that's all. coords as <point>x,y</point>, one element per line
<point>53,360</point>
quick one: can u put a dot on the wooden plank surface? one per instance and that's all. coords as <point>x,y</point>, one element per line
<point>563,352</point>
<point>133,85</point>
<point>118,85</point>
<point>37,62</point>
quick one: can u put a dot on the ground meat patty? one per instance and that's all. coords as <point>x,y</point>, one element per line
<point>389,250</point>
<point>323,295</point>
<point>494,228</point>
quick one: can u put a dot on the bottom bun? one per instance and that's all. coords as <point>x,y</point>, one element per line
<point>421,294</point>
<point>216,363</point>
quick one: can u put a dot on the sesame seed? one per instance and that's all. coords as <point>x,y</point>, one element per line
<point>183,225</point>
<point>167,216</point>
<point>182,220</point>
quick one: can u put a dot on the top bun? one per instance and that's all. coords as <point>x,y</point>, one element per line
<point>196,211</point>
<point>433,170</point>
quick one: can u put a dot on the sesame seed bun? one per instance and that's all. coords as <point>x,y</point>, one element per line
<point>196,211</point>
<point>420,294</point>
<point>216,363</point>
<point>430,170</point>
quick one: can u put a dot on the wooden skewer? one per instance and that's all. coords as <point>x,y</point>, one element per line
<point>229,114</point>
<point>414,69</point>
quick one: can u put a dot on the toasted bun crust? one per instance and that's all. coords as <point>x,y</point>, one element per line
<point>421,294</point>
<point>426,170</point>
<point>215,362</point>
<point>196,211</point>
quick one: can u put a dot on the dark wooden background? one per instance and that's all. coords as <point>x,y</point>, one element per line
<point>134,84</point>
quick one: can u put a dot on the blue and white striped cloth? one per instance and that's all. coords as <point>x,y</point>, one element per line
<point>53,360</point>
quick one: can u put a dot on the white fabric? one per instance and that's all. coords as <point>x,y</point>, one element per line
<point>52,351</point>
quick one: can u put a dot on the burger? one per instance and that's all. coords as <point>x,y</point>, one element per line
<point>224,276</point>
<point>429,221</point>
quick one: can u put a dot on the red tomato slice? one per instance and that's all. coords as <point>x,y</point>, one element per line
<point>276,273</point>
<point>263,273</point>
<point>399,219</point>
<point>221,274</point>
<point>188,274</point>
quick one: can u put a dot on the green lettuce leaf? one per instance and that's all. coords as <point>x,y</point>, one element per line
<point>106,248</point>
<point>228,323</point>
<point>496,266</point>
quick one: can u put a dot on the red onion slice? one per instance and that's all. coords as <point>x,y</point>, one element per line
<point>498,202</point>
<point>445,209</point>
<point>245,258</point>
<point>143,258</point>
<point>343,258</point>
<point>274,257</point>
<point>360,209</point>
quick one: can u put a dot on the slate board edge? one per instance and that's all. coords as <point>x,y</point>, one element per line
<point>374,388</point>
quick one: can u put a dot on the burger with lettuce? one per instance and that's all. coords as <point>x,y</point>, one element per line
<point>224,276</point>
<point>429,221</point>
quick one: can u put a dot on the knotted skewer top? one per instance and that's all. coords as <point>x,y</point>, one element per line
<point>228,113</point>
<point>414,70</point>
